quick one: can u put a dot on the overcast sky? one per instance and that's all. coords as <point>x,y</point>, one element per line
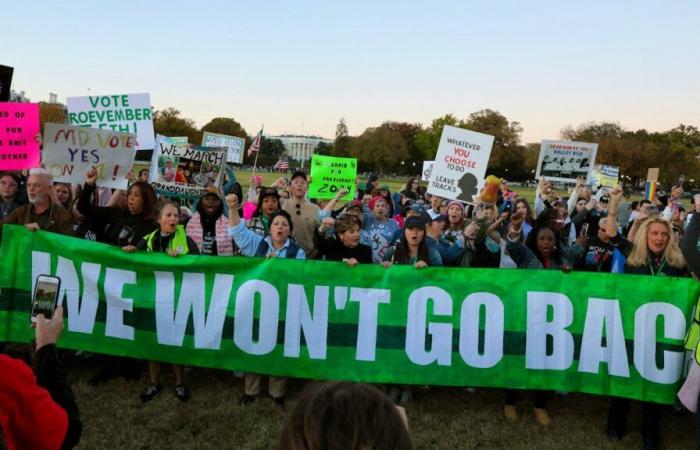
<point>298,67</point>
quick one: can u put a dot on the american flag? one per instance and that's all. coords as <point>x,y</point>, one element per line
<point>281,165</point>
<point>255,146</point>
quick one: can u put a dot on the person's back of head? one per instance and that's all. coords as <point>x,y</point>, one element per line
<point>344,416</point>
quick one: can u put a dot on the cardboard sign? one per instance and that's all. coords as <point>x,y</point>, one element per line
<point>70,151</point>
<point>653,174</point>
<point>5,82</point>
<point>609,176</point>
<point>235,145</point>
<point>564,161</point>
<point>185,171</point>
<point>19,124</point>
<point>460,164</point>
<point>180,139</point>
<point>125,113</point>
<point>427,170</point>
<point>329,174</point>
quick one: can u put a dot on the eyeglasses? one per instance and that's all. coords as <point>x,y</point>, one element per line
<point>8,183</point>
<point>298,209</point>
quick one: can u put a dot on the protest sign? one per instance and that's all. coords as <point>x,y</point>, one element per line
<point>609,176</point>
<point>5,82</point>
<point>427,170</point>
<point>460,164</point>
<point>329,174</point>
<point>19,125</point>
<point>185,170</point>
<point>180,140</point>
<point>126,113</point>
<point>565,161</point>
<point>235,145</point>
<point>70,151</point>
<point>653,174</point>
<point>599,333</point>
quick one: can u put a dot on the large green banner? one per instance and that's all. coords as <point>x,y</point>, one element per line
<point>579,332</point>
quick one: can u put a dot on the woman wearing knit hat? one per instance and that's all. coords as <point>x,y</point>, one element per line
<point>455,222</point>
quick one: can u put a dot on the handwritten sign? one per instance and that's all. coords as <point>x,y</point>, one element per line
<point>70,151</point>
<point>185,171</point>
<point>460,164</point>
<point>125,113</point>
<point>427,170</point>
<point>329,174</point>
<point>19,124</point>
<point>234,145</point>
<point>565,160</point>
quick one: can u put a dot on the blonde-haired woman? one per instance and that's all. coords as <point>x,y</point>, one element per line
<point>655,253</point>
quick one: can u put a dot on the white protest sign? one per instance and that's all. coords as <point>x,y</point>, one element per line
<point>126,113</point>
<point>234,145</point>
<point>564,161</point>
<point>427,170</point>
<point>460,164</point>
<point>69,152</point>
<point>185,171</point>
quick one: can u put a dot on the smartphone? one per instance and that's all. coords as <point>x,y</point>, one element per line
<point>584,229</point>
<point>45,299</point>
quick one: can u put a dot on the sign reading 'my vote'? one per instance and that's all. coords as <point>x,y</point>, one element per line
<point>69,152</point>
<point>460,164</point>
<point>598,333</point>
<point>126,113</point>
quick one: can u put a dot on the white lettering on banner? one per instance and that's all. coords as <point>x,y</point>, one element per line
<point>441,333</point>
<point>299,317</point>
<point>41,265</point>
<point>494,323</point>
<point>81,311</point>
<point>645,342</point>
<point>244,314</point>
<point>369,300</point>
<point>115,279</point>
<point>208,326</point>
<point>538,328</point>
<point>603,314</point>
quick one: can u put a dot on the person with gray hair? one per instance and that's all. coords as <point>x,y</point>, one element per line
<point>41,213</point>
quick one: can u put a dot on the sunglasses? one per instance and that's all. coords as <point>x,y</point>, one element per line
<point>298,209</point>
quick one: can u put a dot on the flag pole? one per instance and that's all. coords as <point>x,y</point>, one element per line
<point>255,163</point>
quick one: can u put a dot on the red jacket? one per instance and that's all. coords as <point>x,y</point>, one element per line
<point>29,418</point>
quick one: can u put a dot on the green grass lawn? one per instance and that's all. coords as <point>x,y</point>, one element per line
<point>439,418</point>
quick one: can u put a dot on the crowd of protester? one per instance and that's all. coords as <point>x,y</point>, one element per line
<point>582,230</point>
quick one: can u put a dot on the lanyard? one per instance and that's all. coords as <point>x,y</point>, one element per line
<point>661,267</point>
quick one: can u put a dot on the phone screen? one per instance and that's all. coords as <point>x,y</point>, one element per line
<point>45,296</point>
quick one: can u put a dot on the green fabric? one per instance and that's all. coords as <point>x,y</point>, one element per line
<point>260,333</point>
<point>177,243</point>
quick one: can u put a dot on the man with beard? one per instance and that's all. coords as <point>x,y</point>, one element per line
<point>41,213</point>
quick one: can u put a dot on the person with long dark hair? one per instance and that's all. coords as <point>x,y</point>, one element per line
<point>120,226</point>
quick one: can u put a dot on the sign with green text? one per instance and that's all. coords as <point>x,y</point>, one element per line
<point>126,113</point>
<point>605,334</point>
<point>330,174</point>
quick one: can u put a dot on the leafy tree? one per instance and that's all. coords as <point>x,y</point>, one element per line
<point>51,113</point>
<point>227,126</point>
<point>169,123</point>
<point>507,157</point>
<point>408,132</point>
<point>270,152</point>
<point>428,139</point>
<point>380,149</point>
<point>324,148</point>
<point>343,141</point>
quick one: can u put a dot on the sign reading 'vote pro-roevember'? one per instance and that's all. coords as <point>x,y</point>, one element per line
<point>604,334</point>
<point>126,113</point>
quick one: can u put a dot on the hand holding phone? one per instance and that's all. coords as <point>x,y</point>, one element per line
<point>584,229</point>
<point>46,291</point>
<point>49,329</point>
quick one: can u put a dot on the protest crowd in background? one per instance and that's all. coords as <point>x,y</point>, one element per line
<point>584,228</point>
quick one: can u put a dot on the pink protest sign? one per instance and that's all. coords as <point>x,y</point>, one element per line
<point>19,125</point>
